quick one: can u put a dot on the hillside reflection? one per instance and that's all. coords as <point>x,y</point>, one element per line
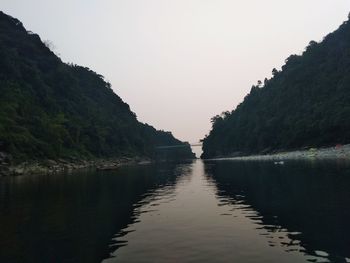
<point>73,218</point>
<point>301,206</point>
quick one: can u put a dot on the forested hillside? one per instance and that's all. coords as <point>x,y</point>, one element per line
<point>305,104</point>
<point>49,109</point>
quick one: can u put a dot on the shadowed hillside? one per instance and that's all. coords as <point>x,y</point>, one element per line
<point>49,109</point>
<point>305,104</point>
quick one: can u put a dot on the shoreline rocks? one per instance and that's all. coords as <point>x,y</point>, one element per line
<point>64,165</point>
<point>337,152</point>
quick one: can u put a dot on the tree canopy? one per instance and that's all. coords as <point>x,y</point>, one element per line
<point>305,104</point>
<point>50,109</point>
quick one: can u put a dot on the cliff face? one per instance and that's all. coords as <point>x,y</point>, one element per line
<point>305,104</point>
<point>49,109</point>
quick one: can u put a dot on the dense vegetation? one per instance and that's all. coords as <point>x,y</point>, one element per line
<point>49,109</point>
<point>305,104</point>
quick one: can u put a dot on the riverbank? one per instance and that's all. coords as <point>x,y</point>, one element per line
<point>337,152</point>
<point>68,165</point>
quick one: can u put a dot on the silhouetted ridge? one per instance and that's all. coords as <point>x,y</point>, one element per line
<point>305,104</point>
<point>49,109</point>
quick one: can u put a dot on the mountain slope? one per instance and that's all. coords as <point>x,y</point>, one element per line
<point>305,104</point>
<point>49,109</point>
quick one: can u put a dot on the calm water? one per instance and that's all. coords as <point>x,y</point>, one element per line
<point>218,211</point>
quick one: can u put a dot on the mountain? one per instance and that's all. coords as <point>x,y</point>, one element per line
<point>50,109</point>
<point>306,104</point>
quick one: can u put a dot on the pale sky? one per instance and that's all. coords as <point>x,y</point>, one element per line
<point>177,63</point>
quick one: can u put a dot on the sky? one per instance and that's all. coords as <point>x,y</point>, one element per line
<point>177,63</point>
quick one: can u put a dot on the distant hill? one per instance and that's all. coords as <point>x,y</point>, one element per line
<point>305,104</point>
<point>49,109</point>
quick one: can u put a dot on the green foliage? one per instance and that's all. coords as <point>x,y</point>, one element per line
<point>305,104</point>
<point>49,109</point>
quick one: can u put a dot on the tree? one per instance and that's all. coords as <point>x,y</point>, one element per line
<point>306,104</point>
<point>274,72</point>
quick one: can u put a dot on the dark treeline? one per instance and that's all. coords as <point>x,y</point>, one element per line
<point>50,109</point>
<point>305,104</point>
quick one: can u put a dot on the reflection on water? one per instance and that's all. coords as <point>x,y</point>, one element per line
<point>217,211</point>
<point>301,206</point>
<point>72,218</point>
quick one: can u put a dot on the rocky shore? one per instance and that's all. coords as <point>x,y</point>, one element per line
<point>337,152</point>
<point>64,165</point>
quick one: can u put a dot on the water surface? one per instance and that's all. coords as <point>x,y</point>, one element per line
<point>213,211</point>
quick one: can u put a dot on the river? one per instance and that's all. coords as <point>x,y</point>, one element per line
<point>200,211</point>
